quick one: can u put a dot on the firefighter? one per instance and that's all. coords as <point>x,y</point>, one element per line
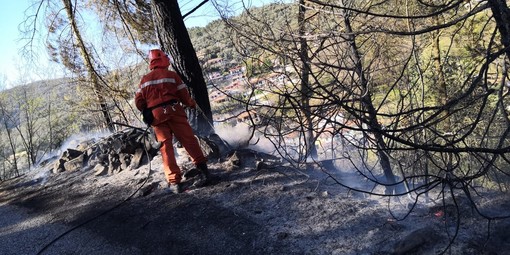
<point>161,97</point>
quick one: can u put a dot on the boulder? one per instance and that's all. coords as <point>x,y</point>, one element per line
<point>127,149</point>
<point>100,170</point>
<point>59,166</point>
<point>75,164</point>
<point>136,160</point>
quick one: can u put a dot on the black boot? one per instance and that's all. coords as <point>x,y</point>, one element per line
<point>203,177</point>
<point>175,188</point>
<point>203,168</point>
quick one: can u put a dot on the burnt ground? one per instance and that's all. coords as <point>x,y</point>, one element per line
<point>252,209</point>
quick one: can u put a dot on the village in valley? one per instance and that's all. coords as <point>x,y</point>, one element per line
<point>231,89</point>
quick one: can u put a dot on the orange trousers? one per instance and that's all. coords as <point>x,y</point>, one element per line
<point>170,121</point>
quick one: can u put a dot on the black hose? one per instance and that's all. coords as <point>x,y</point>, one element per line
<point>212,126</point>
<point>133,127</point>
<point>112,208</point>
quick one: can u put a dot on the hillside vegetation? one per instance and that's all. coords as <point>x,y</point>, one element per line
<point>411,96</point>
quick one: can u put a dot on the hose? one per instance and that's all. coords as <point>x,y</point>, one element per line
<point>112,208</point>
<point>212,126</point>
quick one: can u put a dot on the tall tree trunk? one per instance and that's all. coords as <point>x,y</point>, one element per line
<point>311,150</point>
<point>88,61</point>
<point>441,96</point>
<point>502,16</point>
<point>440,80</point>
<point>373,123</point>
<point>12,145</point>
<point>28,138</point>
<point>174,39</point>
<point>13,150</point>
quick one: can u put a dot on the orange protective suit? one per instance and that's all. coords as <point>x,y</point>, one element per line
<point>164,92</point>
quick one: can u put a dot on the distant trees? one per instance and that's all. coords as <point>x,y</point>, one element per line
<point>33,125</point>
<point>419,89</point>
<point>8,151</point>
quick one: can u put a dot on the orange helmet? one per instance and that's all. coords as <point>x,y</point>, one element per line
<point>158,58</point>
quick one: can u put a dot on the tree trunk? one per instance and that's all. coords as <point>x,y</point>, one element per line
<point>11,139</point>
<point>311,150</point>
<point>174,39</point>
<point>371,113</point>
<point>87,59</point>
<point>28,138</point>
<point>440,80</point>
<point>502,16</point>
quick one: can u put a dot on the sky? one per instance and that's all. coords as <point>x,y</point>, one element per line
<point>13,70</point>
<point>11,15</point>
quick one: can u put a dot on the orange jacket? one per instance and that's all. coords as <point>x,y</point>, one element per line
<point>160,86</point>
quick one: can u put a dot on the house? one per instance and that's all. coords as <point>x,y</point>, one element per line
<point>245,116</point>
<point>258,82</point>
<point>215,94</point>
<point>213,75</point>
<point>214,62</point>
<point>220,99</point>
<point>235,86</point>
<point>238,70</point>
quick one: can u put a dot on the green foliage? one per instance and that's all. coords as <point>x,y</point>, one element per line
<point>37,119</point>
<point>219,40</point>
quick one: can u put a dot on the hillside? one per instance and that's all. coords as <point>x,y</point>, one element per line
<point>255,204</point>
<point>383,137</point>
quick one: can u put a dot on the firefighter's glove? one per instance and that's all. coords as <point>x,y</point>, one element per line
<point>147,116</point>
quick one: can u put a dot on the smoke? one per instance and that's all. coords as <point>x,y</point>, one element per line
<point>238,137</point>
<point>42,170</point>
<point>41,175</point>
<point>76,139</point>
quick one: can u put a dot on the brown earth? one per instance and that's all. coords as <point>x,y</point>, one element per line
<point>255,208</point>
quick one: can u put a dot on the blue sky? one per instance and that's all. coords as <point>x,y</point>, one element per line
<point>12,14</point>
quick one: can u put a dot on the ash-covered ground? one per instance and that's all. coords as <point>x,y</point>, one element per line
<point>254,204</point>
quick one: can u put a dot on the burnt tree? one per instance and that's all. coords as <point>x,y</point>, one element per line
<point>174,39</point>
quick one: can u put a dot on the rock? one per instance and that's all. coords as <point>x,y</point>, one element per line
<point>74,164</point>
<point>114,166</point>
<point>59,166</point>
<point>125,160</point>
<point>233,162</point>
<point>85,145</point>
<point>123,150</point>
<point>71,154</point>
<point>116,143</point>
<point>137,158</point>
<point>100,170</point>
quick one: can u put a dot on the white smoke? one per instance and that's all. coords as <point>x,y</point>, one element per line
<point>238,137</point>
<point>42,170</point>
<point>76,139</point>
